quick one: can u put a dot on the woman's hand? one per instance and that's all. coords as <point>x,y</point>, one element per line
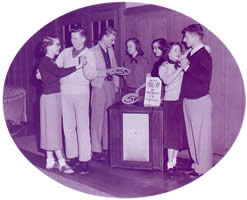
<point>82,60</point>
<point>184,62</point>
<point>38,75</point>
<point>110,71</point>
<point>78,66</point>
<point>148,75</point>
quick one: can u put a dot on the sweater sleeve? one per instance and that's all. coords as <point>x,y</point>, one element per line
<point>89,70</point>
<point>167,75</point>
<point>146,66</point>
<point>201,70</point>
<point>59,72</point>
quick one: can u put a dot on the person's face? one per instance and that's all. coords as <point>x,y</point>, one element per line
<point>189,39</point>
<point>109,40</point>
<point>175,53</point>
<point>156,49</point>
<point>131,48</point>
<point>77,40</point>
<point>55,47</point>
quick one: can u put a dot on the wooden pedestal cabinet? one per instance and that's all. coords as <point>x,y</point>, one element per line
<point>136,136</point>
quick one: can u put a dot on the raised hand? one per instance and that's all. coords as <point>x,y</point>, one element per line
<point>38,75</point>
<point>82,60</point>
<point>184,62</point>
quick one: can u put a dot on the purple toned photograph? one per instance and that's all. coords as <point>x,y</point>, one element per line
<point>124,100</point>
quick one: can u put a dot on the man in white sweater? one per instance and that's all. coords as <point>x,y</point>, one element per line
<point>75,94</point>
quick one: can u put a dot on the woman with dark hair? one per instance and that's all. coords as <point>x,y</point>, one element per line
<point>138,66</point>
<point>50,104</point>
<point>174,126</point>
<point>159,47</point>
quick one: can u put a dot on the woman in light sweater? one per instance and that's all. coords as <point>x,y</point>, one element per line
<point>174,126</point>
<point>50,104</point>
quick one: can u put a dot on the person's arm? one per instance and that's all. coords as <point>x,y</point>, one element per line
<point>147,67</point>
<point>60,72</point>
<point>166,76</point>
<point>89,67</point>
<point>140,87</point>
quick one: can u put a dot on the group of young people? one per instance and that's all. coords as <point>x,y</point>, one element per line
<point>66,93</point>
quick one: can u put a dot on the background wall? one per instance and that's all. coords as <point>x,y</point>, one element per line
<point>146,23</point>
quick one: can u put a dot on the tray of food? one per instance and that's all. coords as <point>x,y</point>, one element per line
<point>130,98</point>
<point>121,71</point>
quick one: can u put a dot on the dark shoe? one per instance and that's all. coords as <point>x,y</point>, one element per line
<point>193,175</point>
<point>188,171</point>
<point>98,156</point>
<point>171,173</point>
<point>73,162</point>
<point>82,168</point>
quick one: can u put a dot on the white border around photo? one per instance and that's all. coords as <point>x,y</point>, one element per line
<point>21,19</point>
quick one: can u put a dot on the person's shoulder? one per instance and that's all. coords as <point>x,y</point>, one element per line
<point>95,47</point>
<point>89,52</point>
<point>44,60</point>
<point>143,58</point>
<point>204,54</point>
<point>202,51</point>
<point>166,64</point>
<point>66,50</point>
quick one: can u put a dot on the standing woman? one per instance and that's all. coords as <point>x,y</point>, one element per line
<point>159,48</point>
<point>138,66</point>
<point>174,125</point>
<point>50,104</point>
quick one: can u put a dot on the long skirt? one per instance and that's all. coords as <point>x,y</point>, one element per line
<point>50,122</point>
<point>174,126</point>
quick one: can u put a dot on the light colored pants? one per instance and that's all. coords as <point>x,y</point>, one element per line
<point>198,121</point>
<point>101,100</point>
<point>76,125</point>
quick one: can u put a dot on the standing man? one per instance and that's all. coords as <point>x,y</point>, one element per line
<point>197,103</point>
<point>75,100</point>
<point>104,87</point>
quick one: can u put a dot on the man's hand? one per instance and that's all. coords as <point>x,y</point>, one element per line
<point>38,75</point>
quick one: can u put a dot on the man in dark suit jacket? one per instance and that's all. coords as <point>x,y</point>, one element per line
<point>197,68</point>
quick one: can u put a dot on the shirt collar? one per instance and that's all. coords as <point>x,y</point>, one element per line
<point>101,46</point>
<point>196,49</point>
<point>77,52</point>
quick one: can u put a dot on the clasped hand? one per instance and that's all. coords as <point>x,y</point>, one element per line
<point>183,62</point>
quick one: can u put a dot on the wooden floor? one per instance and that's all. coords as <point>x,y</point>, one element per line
<point>106,181</point>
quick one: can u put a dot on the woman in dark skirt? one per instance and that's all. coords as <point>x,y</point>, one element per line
<point>174,126</point>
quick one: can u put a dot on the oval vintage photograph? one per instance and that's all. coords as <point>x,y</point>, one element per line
<point>124,100</point>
